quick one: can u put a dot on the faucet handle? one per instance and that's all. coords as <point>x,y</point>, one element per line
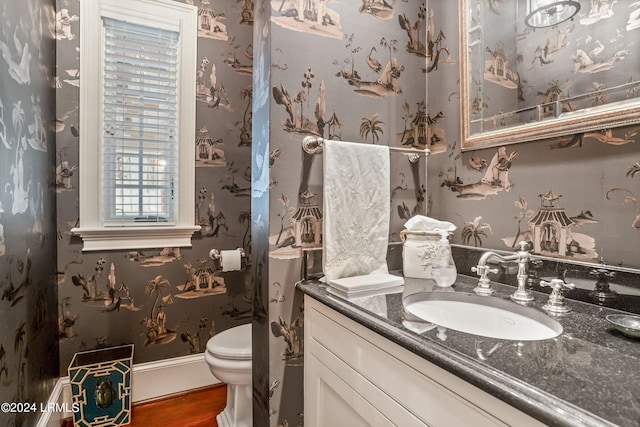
<point>602,273</point>
<point>524,246</point>
<point>556,304</point>
<point>484,284</point>
<point>484,270</point>
<point>557,284</point>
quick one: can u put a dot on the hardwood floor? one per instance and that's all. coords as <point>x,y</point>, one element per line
<point>197,408</point>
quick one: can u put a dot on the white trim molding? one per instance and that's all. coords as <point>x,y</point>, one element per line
<point>149,381</point>
<point>168,14</point>
<point>99,239</point>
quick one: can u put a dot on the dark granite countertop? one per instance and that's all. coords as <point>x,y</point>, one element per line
<point>587,376</point>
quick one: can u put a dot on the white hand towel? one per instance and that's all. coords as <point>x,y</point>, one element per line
<point>368,282</point>
<point>356,211</point>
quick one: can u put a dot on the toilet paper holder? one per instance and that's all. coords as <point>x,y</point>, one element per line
<point>218,260</point>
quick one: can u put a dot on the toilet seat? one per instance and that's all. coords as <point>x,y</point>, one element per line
<point>234,343</point>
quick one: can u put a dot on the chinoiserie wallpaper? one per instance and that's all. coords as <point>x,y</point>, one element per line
<point>28,293</point>
<point>573,197</point>
<point>345,70</point>
<point>167,301</point>
<point>269,74</point>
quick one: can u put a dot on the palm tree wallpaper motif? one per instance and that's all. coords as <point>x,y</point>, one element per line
<point>475,230</point>
<point>90,285</point>
<point>371,126</point>
<point>367,58</point>
<point>246,94</point>
<point>156,323</point>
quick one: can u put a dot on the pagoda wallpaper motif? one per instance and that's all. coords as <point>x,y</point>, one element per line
<point>270,73</point>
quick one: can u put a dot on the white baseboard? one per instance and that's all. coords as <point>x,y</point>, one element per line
<point>164,377</point>
<point>149,381</point>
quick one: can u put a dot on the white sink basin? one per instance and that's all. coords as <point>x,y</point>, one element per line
<point>482,315</point>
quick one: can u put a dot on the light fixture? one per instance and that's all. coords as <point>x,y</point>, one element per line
<point>547,13</point>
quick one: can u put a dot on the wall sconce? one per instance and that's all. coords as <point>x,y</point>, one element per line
<point>547,13</point>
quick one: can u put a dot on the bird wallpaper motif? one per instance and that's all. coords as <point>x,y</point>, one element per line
<point>28,294</point>
<point>367,86</point>
<point>166,301</point>
<point>495,196</point>
<point>270,73</point>
<point>587,179</point>
<point>583,62</point>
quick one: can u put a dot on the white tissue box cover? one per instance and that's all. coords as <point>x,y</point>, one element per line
<point>417,257</point>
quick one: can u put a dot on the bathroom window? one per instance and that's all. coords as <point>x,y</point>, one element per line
<point>137,124</point>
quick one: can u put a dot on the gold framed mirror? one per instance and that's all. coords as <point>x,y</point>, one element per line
<point>525,77</point>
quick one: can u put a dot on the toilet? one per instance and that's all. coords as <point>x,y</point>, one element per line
<point>228,355</point>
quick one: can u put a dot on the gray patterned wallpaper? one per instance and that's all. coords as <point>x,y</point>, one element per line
<point>28,293</point>
<point>499,196</point>
<point>495,196</point>
<point>166,301</point>
<point>354,71</point>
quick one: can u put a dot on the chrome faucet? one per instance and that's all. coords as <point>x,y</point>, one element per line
<point>556,304</point>
<point>483,270</point>
<point>521,295</point>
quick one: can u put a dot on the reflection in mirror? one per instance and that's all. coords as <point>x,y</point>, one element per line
<point>535,69</point>
<point>548,13</point>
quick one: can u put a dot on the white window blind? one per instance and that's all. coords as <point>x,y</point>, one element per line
<point>140,137</point>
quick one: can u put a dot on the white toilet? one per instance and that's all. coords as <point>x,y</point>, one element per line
<point>228,355</point>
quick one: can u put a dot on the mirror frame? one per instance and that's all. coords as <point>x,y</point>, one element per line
<point>621,113</point>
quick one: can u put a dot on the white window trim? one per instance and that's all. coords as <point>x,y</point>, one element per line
<point>171,15</point>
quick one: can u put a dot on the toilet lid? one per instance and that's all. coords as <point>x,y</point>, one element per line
<point>234,343</point>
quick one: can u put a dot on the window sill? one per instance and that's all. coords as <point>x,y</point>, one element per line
<point>105,239</point>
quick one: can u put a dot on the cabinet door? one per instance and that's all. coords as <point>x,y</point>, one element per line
<point>382,384</point>
<point>330,402</point>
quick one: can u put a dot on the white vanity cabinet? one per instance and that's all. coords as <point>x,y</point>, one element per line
<point>355,377</point>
